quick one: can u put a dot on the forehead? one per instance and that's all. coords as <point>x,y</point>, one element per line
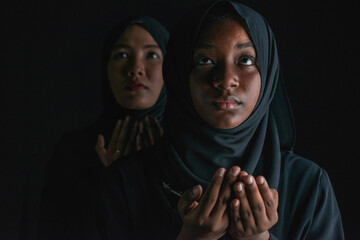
<point>227,30</point>
<point>135,34</point>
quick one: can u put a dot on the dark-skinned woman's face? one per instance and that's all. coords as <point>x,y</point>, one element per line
<point>225,81</point>
<point>135,69</point>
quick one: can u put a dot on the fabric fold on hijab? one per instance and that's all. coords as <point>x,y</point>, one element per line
<point>254,144</point>
<point>112,111</point>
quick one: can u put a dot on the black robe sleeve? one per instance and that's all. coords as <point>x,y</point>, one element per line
<point>71,177</point>
<point>111,218</point>
<point>326,222</point>
<point>307,205</point>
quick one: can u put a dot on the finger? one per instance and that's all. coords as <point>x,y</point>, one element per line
<point>188,200</point>
<point>270,198</point>
<point>159,129</point>
<point>242,174</point>
<point>144,136</point>
<point>235,218</point>
<point>123,136</point>
<point>100,150</point>
<point>112,144</point>
<point>225,191</point>
<point>131,144</point>
<point>149,130</point>
<point>100,143</point>
<point>139,140</point>
<point>156,128</point>
<point>246,214</point>
<point>255,199</point>
<point>211,194</point>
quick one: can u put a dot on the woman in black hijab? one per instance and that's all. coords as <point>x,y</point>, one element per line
<point>226,110</point>
<point>134,99</point>
<point>132,87</point>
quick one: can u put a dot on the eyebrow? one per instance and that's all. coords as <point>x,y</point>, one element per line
<point>120,45</point>
<point>244,45</point>
<point>237,46</point>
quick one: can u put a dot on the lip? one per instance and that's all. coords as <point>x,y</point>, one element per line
<point>227,103</point>
<point>135,86</point>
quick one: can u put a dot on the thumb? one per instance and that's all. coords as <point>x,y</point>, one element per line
<point>189,199</point>
<point>100,143</point>
<point>100,150</point>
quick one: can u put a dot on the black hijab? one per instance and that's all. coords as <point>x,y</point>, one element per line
<point>255,144</point>
<point>112,111</point>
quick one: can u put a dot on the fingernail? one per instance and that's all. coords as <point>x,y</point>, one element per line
<point>236,203</point>
<point>243,174</point>
<point>118,123</point>
<point>221,172</point>
<point>261,180</point>
<point>250,180</point>
<point>239,187</point>
<point>195,191</point>
<point>235,171</point>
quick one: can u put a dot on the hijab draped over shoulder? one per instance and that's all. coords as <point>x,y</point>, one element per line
<point>255,144</point>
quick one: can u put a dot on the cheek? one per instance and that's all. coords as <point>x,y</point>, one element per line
<point>200,92</point>
<point>116,80</point>
<point>155,77</point>
<point>116,71</point>
<point>154,71</point>
<point>254,87</point>
<point>112,78</point>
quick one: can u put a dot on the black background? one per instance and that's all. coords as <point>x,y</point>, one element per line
<point>50,83</point>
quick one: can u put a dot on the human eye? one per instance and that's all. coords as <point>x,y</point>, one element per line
<point>153,55</point>
<point>203,60</point>
<point>247,60</point>
<point>120,55</point>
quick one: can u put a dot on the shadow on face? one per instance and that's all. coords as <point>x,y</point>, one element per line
<point>225,81</point>
<point>135,69</point>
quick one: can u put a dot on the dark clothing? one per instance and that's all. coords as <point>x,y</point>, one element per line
<point>138,199</point>
<point>139,194</point>
<point>75,169</point>
<point>71,178</point>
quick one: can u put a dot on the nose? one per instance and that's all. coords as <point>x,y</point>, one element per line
<point>136,68</point>
<point>226,77</point>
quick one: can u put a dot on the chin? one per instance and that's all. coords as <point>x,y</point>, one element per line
<point>136,104</point>
<point>224,123</point>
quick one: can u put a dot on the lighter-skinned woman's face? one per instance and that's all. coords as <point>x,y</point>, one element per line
<point>135,69</point>
<point>225,81</point>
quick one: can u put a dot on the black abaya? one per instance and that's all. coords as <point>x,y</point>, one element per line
<point>75,169</point>
<point>138,199</point>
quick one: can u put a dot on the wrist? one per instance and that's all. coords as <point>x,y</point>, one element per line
<point>188,236</point>
<point>260,236</point>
